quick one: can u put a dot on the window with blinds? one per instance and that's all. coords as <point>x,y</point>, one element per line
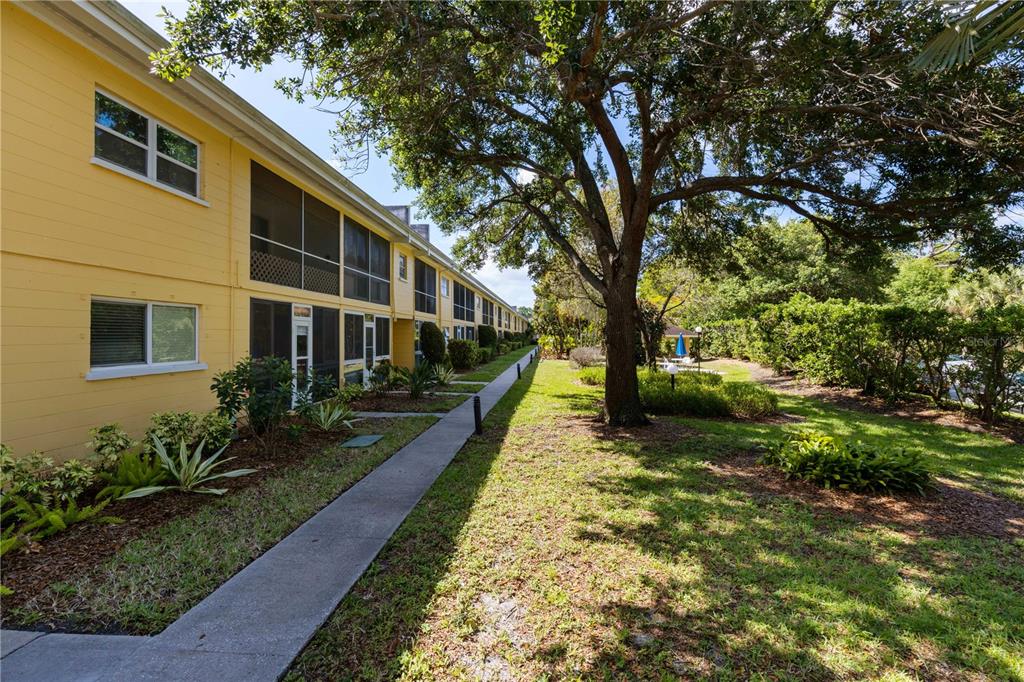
<point>128,333</point>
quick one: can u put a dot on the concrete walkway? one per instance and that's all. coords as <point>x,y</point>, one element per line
<point>388,415</point>
<point>254,625</point>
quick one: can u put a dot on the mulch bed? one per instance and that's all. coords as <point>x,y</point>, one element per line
<point>399,403</point>
<point>81,548</point>
<point>947,510</point>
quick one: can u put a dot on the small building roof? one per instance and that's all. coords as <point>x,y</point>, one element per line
<point>674,331</point>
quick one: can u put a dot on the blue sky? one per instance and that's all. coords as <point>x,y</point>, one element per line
<point>313,129</point>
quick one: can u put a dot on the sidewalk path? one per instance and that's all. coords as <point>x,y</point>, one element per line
<point>254,625</point>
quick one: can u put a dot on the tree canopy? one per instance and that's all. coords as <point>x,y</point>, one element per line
<point>511,117</point>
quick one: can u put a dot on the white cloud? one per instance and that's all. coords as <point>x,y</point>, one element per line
<point>513,285</point>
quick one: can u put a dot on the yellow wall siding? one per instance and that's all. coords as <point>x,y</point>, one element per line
<point>72,230</point>
<point>47,402</point>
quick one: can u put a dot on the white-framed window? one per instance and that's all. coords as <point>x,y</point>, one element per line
<point>133,141</point>
<point>444,287</point>
<point>403,267</point>
<point>128,338</point>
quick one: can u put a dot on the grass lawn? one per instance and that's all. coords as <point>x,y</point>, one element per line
<point>491,370</point>
<point>151,581</point>
<point>552,548</point>
<point>401,402</point>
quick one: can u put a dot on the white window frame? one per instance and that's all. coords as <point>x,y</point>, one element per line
<point>444,287</point>
<point>151,151</point>
<point>391,339</point>
<point>148,367</point>
<point>403,264</point>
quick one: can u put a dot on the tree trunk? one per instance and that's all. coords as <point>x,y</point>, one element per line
<point>621,392</point>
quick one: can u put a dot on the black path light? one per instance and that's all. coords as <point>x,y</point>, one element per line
<point>478,422</point>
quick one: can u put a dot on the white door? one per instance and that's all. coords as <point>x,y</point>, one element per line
<point>368,351</point>
<point>302,347</point>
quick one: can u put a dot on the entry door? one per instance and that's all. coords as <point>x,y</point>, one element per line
<point>368,351</point>
<point>302,348</point>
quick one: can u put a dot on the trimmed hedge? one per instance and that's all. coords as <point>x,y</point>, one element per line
<point>432,343</point>
<point>487,335</point>
<point>462,353</point>
<point>887,350</point>
<point>696,394</point>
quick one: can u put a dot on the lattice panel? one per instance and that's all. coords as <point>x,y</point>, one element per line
<point>324,281</point>
<point>265,267</point>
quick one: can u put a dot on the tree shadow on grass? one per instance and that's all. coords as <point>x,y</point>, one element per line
<point>783,591</point>
<point>370,632</point>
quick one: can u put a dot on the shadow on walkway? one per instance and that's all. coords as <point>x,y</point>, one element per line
<point>380,617</point>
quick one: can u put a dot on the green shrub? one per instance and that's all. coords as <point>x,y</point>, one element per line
<point>36,480</point>
<point>260,392</point>
<point>462,353</point>
<point>690,397</point>
<point>432,343</point>
<point>214,428</point>
<point>350,393</point>
<point>26,477</point>
<point>109,442</point>
<point>69,480</point>
<point>749,400</point>
<point>383,378</point>
<point>134,470</point>
<point>487,336</point>
<point>171,428</point>
<point>592,376</point>
<point>483,355</point>
<point>835,464</point>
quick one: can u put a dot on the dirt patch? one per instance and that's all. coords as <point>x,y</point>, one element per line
<point>403,403</point>
<point>947,510</point>
<point>658,433</point>
<point>852,399</point>
<point>81,548</point>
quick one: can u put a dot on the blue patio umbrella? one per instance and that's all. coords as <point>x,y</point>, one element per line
<point>680,346</point>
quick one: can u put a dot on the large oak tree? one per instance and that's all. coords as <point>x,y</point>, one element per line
<point>510,118</point>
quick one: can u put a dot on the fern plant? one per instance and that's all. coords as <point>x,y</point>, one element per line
<point>189,472</point>
<point>134,470</point>
<point>40,521</point>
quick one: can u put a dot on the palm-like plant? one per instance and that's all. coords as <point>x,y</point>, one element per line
<point>979,29</point>
<point>418,379</point>
<point>443,374</point>
<point>190,472</point>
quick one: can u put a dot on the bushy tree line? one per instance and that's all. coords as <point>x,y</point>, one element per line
<point>889,350</point>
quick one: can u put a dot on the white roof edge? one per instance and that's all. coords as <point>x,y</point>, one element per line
<point>138,37</point>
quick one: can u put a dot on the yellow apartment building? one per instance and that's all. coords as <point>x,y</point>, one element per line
<point>151,234</point>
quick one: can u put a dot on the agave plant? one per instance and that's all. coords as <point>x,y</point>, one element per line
<point>443,374</point>
<point>190,472</point>
<point>330,415</point>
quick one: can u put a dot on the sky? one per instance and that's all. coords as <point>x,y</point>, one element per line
<point>313,128</point>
